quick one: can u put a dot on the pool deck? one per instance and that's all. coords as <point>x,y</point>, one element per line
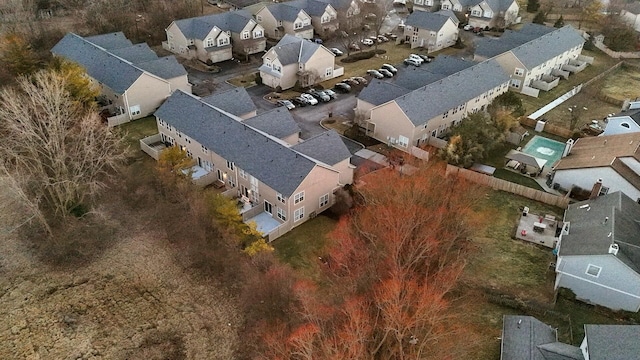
<point>546,237</point>
<point>540,141</point>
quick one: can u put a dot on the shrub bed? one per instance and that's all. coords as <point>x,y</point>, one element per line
<point>363,55</point>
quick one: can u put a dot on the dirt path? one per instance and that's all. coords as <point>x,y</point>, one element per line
<point>133,302</point>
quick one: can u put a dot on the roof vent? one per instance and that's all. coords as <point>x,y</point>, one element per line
<point>613,249</point>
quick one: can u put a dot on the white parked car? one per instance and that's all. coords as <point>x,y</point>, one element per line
<point>417,58</point>
<point>310,99</point>
<point>367,42</point>
<point>336,51</point>
<point>410,61</point>
<point>467,27</point>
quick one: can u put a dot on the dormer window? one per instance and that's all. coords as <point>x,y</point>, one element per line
<point>245,35</point>
<point>297,25</point>
<point>222,41</point>
<point>258,34</point>
<point>325,19</point>
<point>208,42</point>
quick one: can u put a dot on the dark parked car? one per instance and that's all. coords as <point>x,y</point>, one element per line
<point>426,58</point>
<point>299,102</point>
<point>320,95</point>
<point>342,87</point>
<point>351,82</point>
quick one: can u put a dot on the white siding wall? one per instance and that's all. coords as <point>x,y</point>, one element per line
<point>614,126</point>
<point>585,178</point>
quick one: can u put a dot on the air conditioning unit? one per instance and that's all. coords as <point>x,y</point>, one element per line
<point>312,214</point>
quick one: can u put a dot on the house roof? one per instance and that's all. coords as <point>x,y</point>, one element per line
<point>311,7</point>
<point>429,101</point>
<point>239,4</point>
<point>379,92</point>
<point>634,114</point>
<point>612,342</point>
<point>291,49</point>
<point>598,223</point>
<point>235,101</point>
<point>110,41</point>
<point>284,12</point>
<point>522,334</point>
<point>533,44</point>
<point>495,5</point>
<point>327,147</point>
<point>450,14</point>
<point>526,159</point>
<point>261,155</point>
<point>560,351</point>
<point>427,20</point>
<point>338,5</point>
<point>442,66</point>
<point>116,72</point>
<point>200,27</point>
<point>601,151</point>
<point>277,122</point>
<point>633,7</point>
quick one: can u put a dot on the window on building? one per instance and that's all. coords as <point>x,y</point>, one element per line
<point>204,149</point>
<point>328,72</point>
<point>445,115</point>
<point>298,197</point>
<point>282,215</point>
<point>519,72</point>
<point>297,25</point>
<point>298,214</point>
<point>208,42</point>
<point>134,110</point>
<point>232,181</point>
<point>476,12</point>
<point>230,164</point>
<point>259,18</point>
<point>325,19</point>
<point>593,270</point>
<point>207,165</point>
<point>280,198</point>
<point>603,191</point>
<point>245,35</point>
<point>243,174</point>
<point>258,34</point>
<point>222,41</point>
<point>306,22</point>
<point>445,7</point>
<point>268,208</point>
<point>324,200</point>
<point>515,83</point>
<point>276,67</point>
<point>403,141</point>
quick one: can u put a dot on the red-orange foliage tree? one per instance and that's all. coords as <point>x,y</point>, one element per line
<point>392,265</point>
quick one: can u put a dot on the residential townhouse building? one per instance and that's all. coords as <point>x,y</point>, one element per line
<point>294,60</point>
<point>132,79</point>
<point>324,17</point>
<point>536,56</point>
<point>277,185</point>
<point>631,14</point>
<point>485,13</point>
<point>412,118</point>
<point>432,31</point>
<point>215,38</point>
<point>427,5</point>
<point>236,101</point>
<point>280,19</point>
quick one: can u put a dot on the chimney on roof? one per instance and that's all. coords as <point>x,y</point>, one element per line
<point>613,249</point>
<point>567,147</point>
<point>595,190</point>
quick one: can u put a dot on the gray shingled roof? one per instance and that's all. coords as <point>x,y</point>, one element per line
<point>136,53</point>
<point>339,5</point>
<point>119,68</point>
<point>284,12</point>
<point>522,334</point>
<point>277,122</point>
<point>311,7</point>
<point>235,101</point>
<point>110,41</point>
<point>495,5</point>
<point>106,68</point>
<point>442,66</point>
<point>291,49</point>
<point>634,114</point>
<point>271,162</point>
<point>613,342</point>
<point>589,234</point>
<point>200,27</point>
<point>450,14</point>
<point>510,39</point>
<point>327,147</point>
<point>427,20</point>
<point>242,3</point>
<point>166,67</point>
<point>427,102</point>
<point>379,92</point>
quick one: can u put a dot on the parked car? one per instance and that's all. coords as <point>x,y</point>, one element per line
<point>286,103</point>
<point>417,58</point>
<point>351,81</point>
<point>360,79</point>
<point>320,95</point>
<point>330,92</point>
<point>391,36</point>
<point>467,27</point>
<point>426,58</point>
<point>401,25</point>
<point>411,61</point>
<point>375,73</point>
<point>310,99</point>
<point>317,41</point>
<point>336,51</point>
<point>383,38</point>
<point>390,68</point>
<point>385,72</point>
<point>476,30</point>
<point>300,101</point>
<point>342,87</point>
<point>367,42</point>
<point>354,47</point>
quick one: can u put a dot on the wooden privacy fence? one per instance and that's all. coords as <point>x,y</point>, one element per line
<point>499,184</point>
<point>550,128</point>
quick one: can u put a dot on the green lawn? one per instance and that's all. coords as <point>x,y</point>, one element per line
<point>302,246</point>
<point>138,129</point>
<point>513,177</point>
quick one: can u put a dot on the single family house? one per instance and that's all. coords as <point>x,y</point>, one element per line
<point>599,251</point>
<point>280,19</point>
<point>527,338</point>
<point>427,5</point>
<point>615,160</point>
<point>432,31</point>
<point>214,38</point>
<point>296,60</point>
<point>414,116</point>
<point>536,56</point>
<point>132,79</point>
<point>485,13</point>
<point>627,121</point>
<point>277,186</point>
<point>324,18</point>
<point>631,14</point>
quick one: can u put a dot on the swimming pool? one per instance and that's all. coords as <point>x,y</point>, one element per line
<point>544,148</point>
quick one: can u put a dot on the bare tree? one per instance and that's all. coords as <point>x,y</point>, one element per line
<point>375,15</point>
<point>54,150</point>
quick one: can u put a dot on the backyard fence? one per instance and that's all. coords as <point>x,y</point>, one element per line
<point>503,185</point>
<point>616,54</point>
<point>551,129</point>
